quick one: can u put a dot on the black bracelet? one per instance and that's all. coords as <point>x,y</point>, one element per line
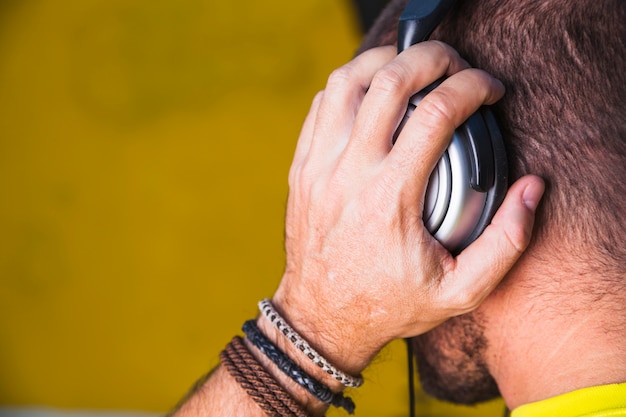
<point>290,368</point>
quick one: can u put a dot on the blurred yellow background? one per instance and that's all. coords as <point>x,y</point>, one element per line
<point>144,149</point>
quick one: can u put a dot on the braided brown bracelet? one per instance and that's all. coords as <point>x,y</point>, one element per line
<point>258,383</point>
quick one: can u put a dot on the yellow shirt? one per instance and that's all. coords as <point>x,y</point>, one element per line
<point>602,401</point>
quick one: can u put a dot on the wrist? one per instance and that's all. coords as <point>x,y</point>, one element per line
<point>279,339</point>
<point>345,342</point>
<point>317,363</point>
<point>313,406</point>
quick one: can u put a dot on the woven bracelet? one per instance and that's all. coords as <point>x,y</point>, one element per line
<point>258,383</point>
<point>266,307</point>
<point>291,369</point>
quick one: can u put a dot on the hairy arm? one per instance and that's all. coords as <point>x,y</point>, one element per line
<point>218,395</point>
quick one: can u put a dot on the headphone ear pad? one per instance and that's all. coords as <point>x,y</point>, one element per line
<point>498,189</point>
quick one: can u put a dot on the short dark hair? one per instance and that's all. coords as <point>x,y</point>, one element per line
<point>563,116</point>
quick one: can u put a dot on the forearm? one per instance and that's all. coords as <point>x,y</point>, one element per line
<point>249,383</point>
<point>220,395</point>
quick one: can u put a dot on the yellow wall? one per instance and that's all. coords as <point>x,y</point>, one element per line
<point>144,147</point>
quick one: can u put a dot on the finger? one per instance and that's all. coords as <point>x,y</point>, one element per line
<point>306,137</point>
<point>429,129</point>
<point>481,266</point>
<point>342,98</point>
<point>386,100</point>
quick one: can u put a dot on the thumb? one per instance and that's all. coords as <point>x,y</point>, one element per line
<point>481,266</point>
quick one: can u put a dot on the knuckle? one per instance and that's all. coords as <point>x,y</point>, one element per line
<point>303,175</point>
<point>318,98</point>
<point>442,48</point>
<point>294,175</point>
<point>389,80</point>
<point>340,77</point>
<point>448,55</point>
<point>517,238</point>
<point>437,108</point>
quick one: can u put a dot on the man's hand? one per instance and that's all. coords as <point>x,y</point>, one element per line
<point>362,269</point>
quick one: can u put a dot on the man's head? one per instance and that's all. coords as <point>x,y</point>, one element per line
<point>563,118</point>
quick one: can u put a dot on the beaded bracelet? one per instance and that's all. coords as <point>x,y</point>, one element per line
<point>266,307</point>
<point>291,369</point>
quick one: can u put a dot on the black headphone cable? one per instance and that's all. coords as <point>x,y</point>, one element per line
<point>411,367</point>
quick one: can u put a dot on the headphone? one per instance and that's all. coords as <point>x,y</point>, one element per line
<point>470,180</point>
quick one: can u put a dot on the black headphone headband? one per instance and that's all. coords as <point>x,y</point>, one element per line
<point>419,19</point>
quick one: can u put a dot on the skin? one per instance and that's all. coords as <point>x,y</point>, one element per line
<point>355,239</point>
<point>541,332</point>
<point>556,323</point>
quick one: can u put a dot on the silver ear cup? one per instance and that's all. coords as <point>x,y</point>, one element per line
<point>469,182</point>
<point>438,193</point>
<point>465,204</point>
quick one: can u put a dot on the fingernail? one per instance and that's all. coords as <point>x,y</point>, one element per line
<point>532,195</point>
